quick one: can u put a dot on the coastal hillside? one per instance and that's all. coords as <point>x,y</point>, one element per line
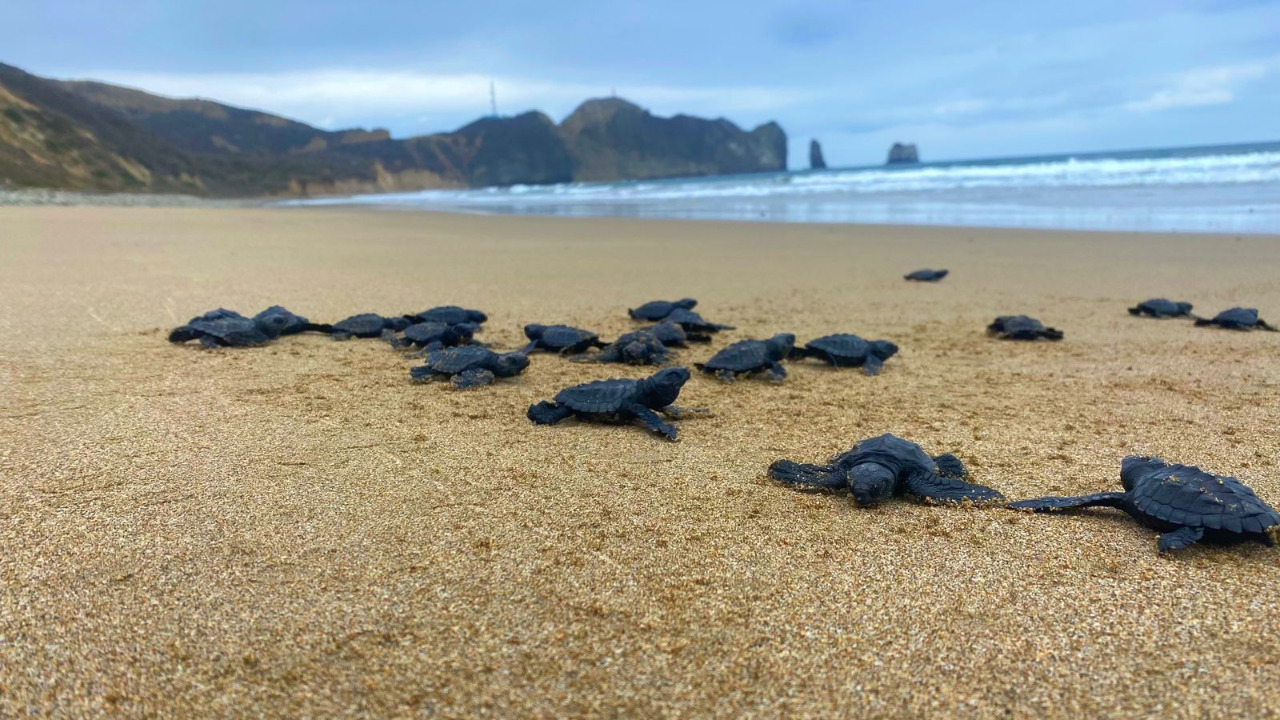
<point>93,136</point>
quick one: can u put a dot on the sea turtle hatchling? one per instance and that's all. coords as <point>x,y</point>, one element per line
<point>642,347</point>
<point>696,328</point>
<point>366,325</point>
<point>843,350</point>
<point>470,366</point>
<point>751,356</point>
<point>1021,327</point>
<point>228,328</point>
<point>619,400</point>
<point>925,275</point>
<point>672,335</point>
<point>1184,502</point>
<point>875,469</point>
<point>451,314</point>
<point>657,310</point>
<point>433,335</point>
<point>1238,319</point>
<point>559,338</point>
<point>1161,308</point>
<point>293,324</point>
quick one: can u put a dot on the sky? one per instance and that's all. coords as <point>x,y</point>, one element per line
<point>980,78</point>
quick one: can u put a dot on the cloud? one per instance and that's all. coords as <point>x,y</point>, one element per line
<point>1201,86</point>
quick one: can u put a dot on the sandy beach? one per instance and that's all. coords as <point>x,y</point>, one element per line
<point>297,531</point>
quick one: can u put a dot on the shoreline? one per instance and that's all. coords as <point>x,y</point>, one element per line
<point>296,530</point>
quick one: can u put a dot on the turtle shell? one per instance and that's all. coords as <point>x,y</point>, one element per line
<point>692,321</point>
<point>363,325</point>
<point>742,356</point>
<point>425,333</point>
<point>1186,495</point>
<point>891,451</point>
<point>563,336</point>
<point>601,396</point>
<point>292,324</point>
<point>1237,318</point>
<point>451,314</point>
<point>1161,307</point>
<point>232,328</point>
<point>669,333</point>
<point>849,348</point>
<point>452,361</point>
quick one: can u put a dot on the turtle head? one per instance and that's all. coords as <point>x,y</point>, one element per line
<point>685,303</point>
<point>883,349</point>
<point>780,345</point>
<point>663,387</point>
<point>1184,307</point>
<point>466,330</point>
<point>1135,466</point>
<point>272,325</point>
<point>636,352</point>
<point>510,364</point>
<point>533,331</point>
<point>871,483</point>
<point>475,316</point>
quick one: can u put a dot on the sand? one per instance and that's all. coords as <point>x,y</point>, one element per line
<point>296,531</point>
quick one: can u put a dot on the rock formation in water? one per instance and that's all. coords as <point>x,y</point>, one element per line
<point>816,161</point>
<point>903,153</point>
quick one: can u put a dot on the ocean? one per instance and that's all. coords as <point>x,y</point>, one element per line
<point>1225,188</point>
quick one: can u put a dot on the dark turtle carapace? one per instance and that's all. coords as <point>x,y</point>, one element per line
<point>875,469</point>
<point>843,350</point>
<point>672,335</point>
<point>470,366</point>
<point>228,328</point>
<point>1161,308</point>
<point>433,335</point>
<point>1184,502</point>
<point>1238,319</point>
<point>751,356</point>
<point>657,310</point>
<point>619,401</point>
<point>925,275</point>
<point>641,347</point>
<point>293,324</point>
<point>696,328</point>
<point>367,325</point>
<point>451,314</point>
<point>1021,327</point>
<point>559,338</point>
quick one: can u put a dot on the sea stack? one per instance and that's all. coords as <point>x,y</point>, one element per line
<point>816,161</point>
<point>902,154</point>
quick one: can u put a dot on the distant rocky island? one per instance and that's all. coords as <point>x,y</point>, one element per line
<point>903,154</point>
<point>816,161</point>
<point>98,137</point>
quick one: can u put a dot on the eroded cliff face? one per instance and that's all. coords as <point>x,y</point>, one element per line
<point>903,153</point>
<point>816,161</point>
<point>98,137</point>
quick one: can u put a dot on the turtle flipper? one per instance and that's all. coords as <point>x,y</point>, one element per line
<point>652,421</point>
<point>183,334</point>
<point>935,488</point>
<point>548,413</point>
<point>472,378</point>
<point>1049,504</point>
<point>803,476</point>
<point>950,466</point>
<point>679,413</point>
<point>396,341</point>
<point>533,345</point>
<point>776,373</point>
<point>422,374</point>
<point>210,342</point>
<point>872,365</point>
<point>1183,537</point>
<point>1268,326</point>
<point>1135,311</point>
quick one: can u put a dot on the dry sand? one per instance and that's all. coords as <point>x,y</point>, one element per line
<point>296,531</point>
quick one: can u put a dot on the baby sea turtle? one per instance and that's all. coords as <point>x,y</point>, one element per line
<point>293,324</point>
<point>751,356</point>
<point>366,325</point>
<point>1161,308</point>
<point>672,335</point>
<point>451,314</point>
<point>619,401</point>
<point>641,347</point>
<point>228,328</point>
<point>1184,502</point>
<point>1238,319</point>
<point>559,338</point>
<point>1021,327</point>
<point>656,310</point>
<point>925,275</point>
<point>433,335</point>
<point>470,366</point>
<point>697,329</point>
<point>844,350</point>
<point>882,466</point>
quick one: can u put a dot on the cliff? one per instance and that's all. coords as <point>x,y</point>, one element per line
<point>903,153</point>
<point>816,161</point>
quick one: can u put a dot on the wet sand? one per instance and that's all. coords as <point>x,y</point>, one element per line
<point>297,531</point>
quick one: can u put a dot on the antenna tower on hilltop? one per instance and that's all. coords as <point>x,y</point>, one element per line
<point>493,100</point>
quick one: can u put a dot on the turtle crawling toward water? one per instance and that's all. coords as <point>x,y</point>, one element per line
<point>925,275</point>
<point>657,310</point>
<point>451,314</point>
<point>1161,308</point>
<point>293,324</point>
<point>875,469</point>
<point>559,338</point>
<point>619,401</point>
<point>672,335</point>
<point>1184,502</point>
<point>843,350</point>
<point>433,335</point>
<point>470,366</point>
<point>697,329</point>
<point>1238,319</point>
<point>228,328</point>
<point>642,347</point>
<point>1021,327</point>
<point>367,325</point>
<point>751,356</point>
